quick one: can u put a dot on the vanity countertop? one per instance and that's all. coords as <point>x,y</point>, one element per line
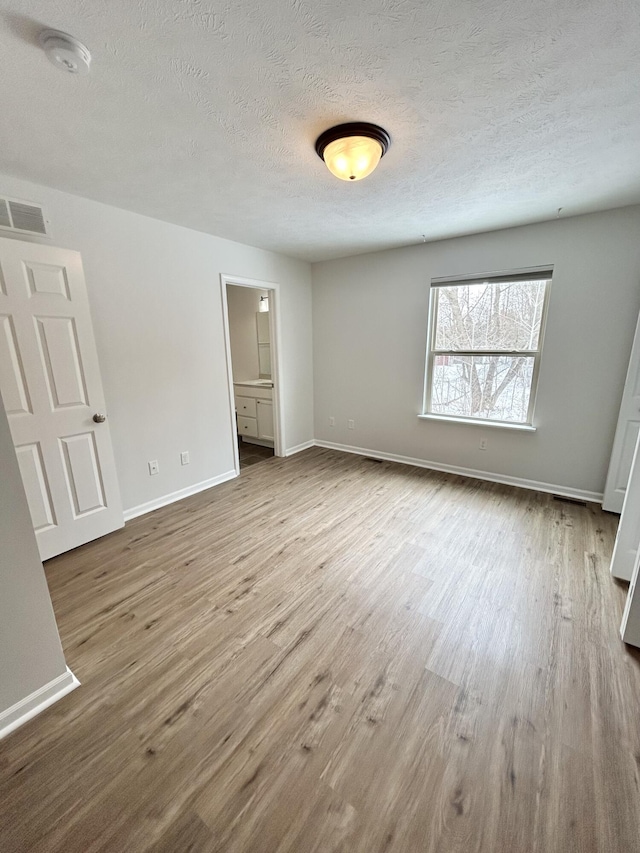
<point>256,383</point>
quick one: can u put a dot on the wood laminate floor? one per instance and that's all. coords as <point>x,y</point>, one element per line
<point>330,654</point>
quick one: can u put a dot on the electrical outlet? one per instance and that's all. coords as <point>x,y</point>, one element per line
<point>153,467</point>
<point>184,457</point>
<point>332,421</point>
<point>351,424</point>
<point>483,444</point>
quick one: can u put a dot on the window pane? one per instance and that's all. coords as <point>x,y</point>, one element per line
<point>482,386</point>
<point>489,316</point>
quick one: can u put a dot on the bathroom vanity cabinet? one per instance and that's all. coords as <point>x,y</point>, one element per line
<point>254,411</point>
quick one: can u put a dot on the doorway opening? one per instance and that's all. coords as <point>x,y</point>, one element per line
<point>250,312</point>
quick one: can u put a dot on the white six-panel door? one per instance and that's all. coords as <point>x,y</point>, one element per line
<point>51,388</point>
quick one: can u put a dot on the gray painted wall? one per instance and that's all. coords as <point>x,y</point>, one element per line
<point>370,328</point>
<point>156,303</point>
<point>30,651</point>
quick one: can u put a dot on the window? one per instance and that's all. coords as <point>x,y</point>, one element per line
<point>484,345</point>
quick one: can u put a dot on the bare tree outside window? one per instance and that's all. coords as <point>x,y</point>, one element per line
<point>485,343</point>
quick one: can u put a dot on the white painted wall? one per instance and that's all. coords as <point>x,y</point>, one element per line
<point>30,651</point>
<point>370,319</point>
<point>243,305</point>
<point>154,292</point>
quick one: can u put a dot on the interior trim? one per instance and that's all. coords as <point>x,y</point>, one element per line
<point>291,451</point>
<point>172,497</point>
<point>33,704</point>
<point>544,273</point>
<point>519,482</point>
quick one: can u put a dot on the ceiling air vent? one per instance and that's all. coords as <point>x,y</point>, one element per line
<point>22,216</point>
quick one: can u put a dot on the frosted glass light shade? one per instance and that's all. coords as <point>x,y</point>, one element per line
<point>263,305</point>
<point>353,157</point>
<point>352,151</point>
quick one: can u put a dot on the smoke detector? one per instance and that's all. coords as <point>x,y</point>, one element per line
<point>65,52</point>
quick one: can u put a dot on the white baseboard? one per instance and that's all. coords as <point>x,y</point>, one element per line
<point>299,447</point>
<point>33,704</point>
<point>172,497</point>
<point>519,482</point>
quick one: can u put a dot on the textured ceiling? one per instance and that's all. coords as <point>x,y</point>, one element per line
<point>205,113</point>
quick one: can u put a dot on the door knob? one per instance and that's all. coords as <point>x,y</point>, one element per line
<point>99,418</point>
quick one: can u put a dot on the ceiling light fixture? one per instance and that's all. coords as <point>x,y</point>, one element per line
<point>352,151</point>
<point>65,52</point>
<point>263,305</point>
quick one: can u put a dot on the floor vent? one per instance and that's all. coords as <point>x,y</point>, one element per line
<point>22,217</point>
<point>371,459</point>
<point>567,500</point>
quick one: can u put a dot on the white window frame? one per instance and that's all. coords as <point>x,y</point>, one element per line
<point>531,274</point>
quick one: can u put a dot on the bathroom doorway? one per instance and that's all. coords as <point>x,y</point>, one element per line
<point>250,311</point>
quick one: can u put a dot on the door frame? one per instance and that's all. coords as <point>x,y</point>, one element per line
<point>275,325</point>
<point>625,548</point>
<point>612,500</point>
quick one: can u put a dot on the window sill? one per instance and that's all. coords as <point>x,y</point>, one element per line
<point>478,422</point>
